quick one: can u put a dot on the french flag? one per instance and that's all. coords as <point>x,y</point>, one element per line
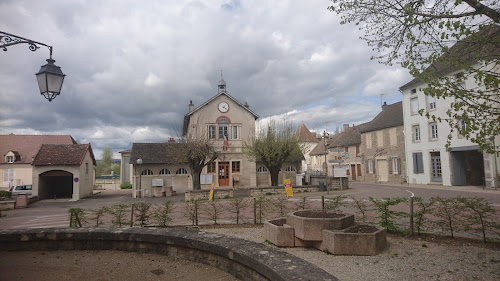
<point>226,143</point>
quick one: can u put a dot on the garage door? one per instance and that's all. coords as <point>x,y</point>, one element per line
<point>383,170</point>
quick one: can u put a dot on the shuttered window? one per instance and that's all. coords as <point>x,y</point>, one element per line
<point>418,164</point>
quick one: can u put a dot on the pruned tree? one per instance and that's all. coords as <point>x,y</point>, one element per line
<point>274,146</point>
<point>197,153</point>
<point>432,39</point>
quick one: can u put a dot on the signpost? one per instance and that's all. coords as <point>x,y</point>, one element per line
<point>340,172</point>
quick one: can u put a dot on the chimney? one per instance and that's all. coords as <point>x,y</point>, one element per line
<point>246,105</point>
<point>345,127</point>
<point>171,140</point>
<point>191,106</point>
<point>384,106</point>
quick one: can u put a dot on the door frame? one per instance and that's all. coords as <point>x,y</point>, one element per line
<point>223,173</point>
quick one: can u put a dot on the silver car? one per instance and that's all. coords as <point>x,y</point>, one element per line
<point>21,189</point>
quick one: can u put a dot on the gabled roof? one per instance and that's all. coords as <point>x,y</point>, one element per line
<point>304,135</point>
<point>187,116</point>
<point>157,153</point>
<point>320,147</point>
<point>28,145</point>
<point>484,45</point>
<point>392,116</point>
<point>351,136</point>
<point>63,155</point>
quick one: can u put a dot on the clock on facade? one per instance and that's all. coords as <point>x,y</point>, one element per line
<point>223,107</point>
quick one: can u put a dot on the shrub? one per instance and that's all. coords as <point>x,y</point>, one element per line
<point>5,194</point>
<point>119,212</point>
<point>126,186</point>
<point>142,211</point>
<point>162,214</point>
<point>387,216</point>
<point>76,217</point>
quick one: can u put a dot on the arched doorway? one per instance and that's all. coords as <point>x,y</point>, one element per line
<point>55,184</point>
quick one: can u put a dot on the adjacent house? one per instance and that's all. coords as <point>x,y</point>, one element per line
<point>310,141</point>
<point>382,146</point>
<point>18,152</point>
<point>429,161</point>
<point>63,171</point>
<point>344,151</point>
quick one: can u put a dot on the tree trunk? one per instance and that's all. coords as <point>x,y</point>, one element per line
<point>274,176</point>
<point>196,180</point>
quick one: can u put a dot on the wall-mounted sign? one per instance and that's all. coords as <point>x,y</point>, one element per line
<point>336,149</point>
<point>157,182</point>
<point>76,179</point>
<point>336,161</point>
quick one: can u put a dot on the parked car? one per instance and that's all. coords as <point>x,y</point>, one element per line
<point>21,189</point>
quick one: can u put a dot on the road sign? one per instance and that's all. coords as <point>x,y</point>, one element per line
<point>336,161</point>
<point>340,171</point>
<point>336,149</point>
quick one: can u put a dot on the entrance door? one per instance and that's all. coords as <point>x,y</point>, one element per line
<point>436,167</point>
<point>383,170</point>
<point>353,172</point>
<point>458,165</point>
<point>223,173</point>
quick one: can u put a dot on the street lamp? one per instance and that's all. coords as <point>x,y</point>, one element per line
<point>139,162</point>
<point>50,77</point>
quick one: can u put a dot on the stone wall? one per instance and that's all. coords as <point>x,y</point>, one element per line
<point>220,193</point>
<point>243,259</point>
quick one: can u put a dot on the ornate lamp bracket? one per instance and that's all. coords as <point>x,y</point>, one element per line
<point>7,40</point>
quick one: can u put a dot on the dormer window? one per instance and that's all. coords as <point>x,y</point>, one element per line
<point>12,156</point>
<point>10,159</point>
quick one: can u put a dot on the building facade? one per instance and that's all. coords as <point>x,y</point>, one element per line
<point>18,152</point>
<point>383,146</point>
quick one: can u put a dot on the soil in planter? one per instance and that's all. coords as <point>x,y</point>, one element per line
<point>320,214</point>
<point>361,229</point>
<point>280,222</point>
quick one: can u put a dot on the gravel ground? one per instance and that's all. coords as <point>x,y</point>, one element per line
<point>404,259</point>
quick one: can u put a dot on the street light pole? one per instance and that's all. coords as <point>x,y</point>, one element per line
<point>50,77</point>
<point>139,161</point>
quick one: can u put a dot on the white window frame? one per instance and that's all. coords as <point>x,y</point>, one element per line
<point>290,169</point>
<point>414,108</point>
<point>235,132</point>
<point>433,131</point>
<point>146,172</point>
<point>181,171</point>
<point>212,131</point>
<point>395,166</point>
<point>416,133</point>
<point>431,101</point>
<point>9,159</point>
<point>370,166</point>
<point>164,172</point>
<point>262,169</point>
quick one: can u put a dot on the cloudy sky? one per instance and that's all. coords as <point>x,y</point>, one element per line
<point>133,66</point>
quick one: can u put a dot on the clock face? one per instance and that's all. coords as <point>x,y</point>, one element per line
<point>223,107</point>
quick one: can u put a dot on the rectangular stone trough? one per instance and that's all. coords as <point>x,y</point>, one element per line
<point>309,224</point>
<point>278,233</point>
<point>350,242</point>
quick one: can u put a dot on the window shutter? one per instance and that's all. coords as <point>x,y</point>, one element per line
<point>415,163</point>
<point>374,165</point>
<point>390,165</point>
<point>399,165</point>
<point>420,162</point>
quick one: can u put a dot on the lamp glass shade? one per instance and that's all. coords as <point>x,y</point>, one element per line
<point>50,79</point>
<point>139,161</point>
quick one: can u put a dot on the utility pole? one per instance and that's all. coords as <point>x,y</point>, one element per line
<point>326,165</point>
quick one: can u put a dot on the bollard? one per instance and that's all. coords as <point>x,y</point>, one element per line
<point>411,215</point>
<point>254,210</point>
<point>323,202</point>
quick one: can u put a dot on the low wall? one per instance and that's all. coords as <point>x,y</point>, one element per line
<point>243,259</point>
<point>334,182</point>
<point>220,193</point>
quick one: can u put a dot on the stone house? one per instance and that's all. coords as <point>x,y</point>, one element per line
<point>344,150</point>
<point>310,141</point>
<point>383,146</point>
<point>18,152</point>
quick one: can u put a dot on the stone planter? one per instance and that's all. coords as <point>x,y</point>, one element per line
<point>278,233</point>
<point>359,240</point>
<point>309,224</point>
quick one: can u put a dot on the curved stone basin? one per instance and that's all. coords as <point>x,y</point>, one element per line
<point>309,224</point>
<point>246,260</point>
